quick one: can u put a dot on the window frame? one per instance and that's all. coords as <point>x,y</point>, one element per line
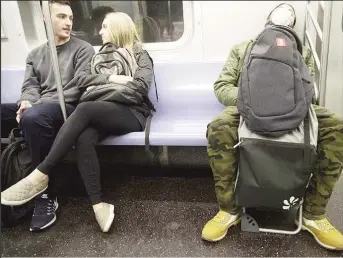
<point>188,20</point>
<point>36,14</point>
<point>187,10</point>
<point>3,31</point>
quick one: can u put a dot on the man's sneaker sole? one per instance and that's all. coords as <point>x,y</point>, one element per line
<point>225,233</point>
<point>47,225</point>
<point>18,203</point>
<point>110,220</point>
<point>303,227</point>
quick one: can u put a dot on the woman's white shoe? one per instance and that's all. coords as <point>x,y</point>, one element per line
<point>105,215</point>
<point>23,191</point>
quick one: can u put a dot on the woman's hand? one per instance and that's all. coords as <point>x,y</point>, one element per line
<point>90,88</point>
<point>120,78</point>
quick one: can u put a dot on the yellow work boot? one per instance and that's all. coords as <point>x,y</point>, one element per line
<point>324,233</point>
<point>216,228</point>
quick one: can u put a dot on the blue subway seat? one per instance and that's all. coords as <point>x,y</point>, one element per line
<point>186,103</point>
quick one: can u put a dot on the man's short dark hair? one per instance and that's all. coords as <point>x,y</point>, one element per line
<point>62,2</point>
<point>99,13</point>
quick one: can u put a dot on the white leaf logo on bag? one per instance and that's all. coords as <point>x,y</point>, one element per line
<point>289,204</point>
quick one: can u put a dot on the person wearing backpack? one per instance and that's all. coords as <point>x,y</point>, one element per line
<point>38,111</point>
<point>222,138</point>
<point>114,100</point>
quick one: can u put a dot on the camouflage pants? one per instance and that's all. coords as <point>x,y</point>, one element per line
<point>222,136</point>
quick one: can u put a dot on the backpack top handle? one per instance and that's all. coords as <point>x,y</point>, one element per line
<point>291,31</point>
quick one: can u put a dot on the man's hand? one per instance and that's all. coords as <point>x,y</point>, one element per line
<point>25,104</point>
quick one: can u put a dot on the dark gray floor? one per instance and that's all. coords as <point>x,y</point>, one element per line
<point>156,216</point>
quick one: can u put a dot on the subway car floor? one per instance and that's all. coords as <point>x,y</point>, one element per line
<point>156,214</point>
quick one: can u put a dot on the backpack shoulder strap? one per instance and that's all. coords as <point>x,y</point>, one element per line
<point>153,72</point>
<point>148,124</point>
<point>241,60</point>
<point>147,140</point>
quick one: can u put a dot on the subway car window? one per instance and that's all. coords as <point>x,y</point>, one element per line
<point>156,21</point>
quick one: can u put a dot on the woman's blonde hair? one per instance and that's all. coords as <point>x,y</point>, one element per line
<point>123,30</point>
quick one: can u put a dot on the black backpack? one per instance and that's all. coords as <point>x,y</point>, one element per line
<point>15,165</point>
<point>275,86</point>
<point>278,129</point>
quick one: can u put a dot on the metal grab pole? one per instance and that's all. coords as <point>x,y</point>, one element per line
<point>170,22</point>
<point>325,51</point>
<point>54,58</point>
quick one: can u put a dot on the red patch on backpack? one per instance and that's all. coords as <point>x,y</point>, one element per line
<point>280,42</point>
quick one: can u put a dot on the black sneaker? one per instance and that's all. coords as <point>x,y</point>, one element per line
<point>44,214</point>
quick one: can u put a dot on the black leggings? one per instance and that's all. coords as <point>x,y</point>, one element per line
<point>83,129</point>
